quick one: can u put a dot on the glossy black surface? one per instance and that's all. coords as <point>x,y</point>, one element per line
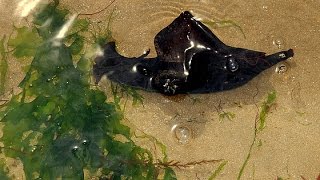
<point>190,59</point>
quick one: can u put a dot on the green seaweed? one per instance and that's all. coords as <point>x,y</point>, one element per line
<point>3,65</point>
<point>218,170</point>
<point>225,23</point>
<point>260,118</point>
<point>26,42</point>
<point>156,143</point>
<point>59,125</point>
<point>122,92</point>
<point>265,108</point>
<point>169,174</point>
<point>102,32</point>
<point>226,115</point>
<point>4,174</point>
<point>50,20</point>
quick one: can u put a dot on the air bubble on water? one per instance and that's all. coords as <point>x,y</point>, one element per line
<point>281,68</point>
<point>75,149</point>
<point>279,42</point>
<point>182,133</point>
<point>85,142</point>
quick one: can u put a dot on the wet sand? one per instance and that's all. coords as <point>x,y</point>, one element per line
<point>290,144</point>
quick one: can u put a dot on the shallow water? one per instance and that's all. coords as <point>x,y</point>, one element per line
<point>290,144</point>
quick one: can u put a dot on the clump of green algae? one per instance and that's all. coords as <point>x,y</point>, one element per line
<point>3,170</point>
<point>59,125</point>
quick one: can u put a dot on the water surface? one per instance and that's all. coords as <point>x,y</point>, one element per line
<point>288,147</point>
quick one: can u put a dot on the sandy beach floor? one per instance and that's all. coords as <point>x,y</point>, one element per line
<point>288,147</point>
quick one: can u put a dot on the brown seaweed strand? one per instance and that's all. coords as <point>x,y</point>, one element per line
<point>97,12</point>
<point>179,165</point>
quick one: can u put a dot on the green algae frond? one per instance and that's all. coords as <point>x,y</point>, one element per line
<point>265,108</point>
<point>60,125</point>
<point>218,170</point>
<point>226,115</point>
